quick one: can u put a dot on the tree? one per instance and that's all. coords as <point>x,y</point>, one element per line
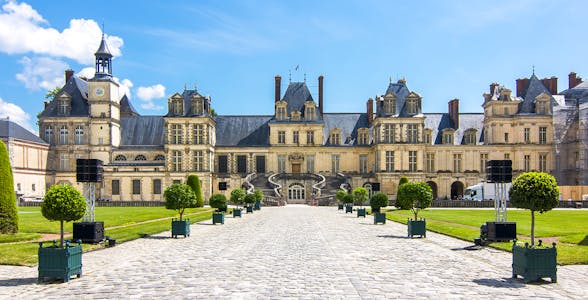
<point>249,199</point>
<point>63,203</point>
<point>52,93</point>
<point>218,201</point>
<point>341,195</point>
<point>237,196</point>
<point>536,192</point>
<point>348,199</point>
<point>258,195</point>
<point>360,195</point>
<point>179,197</point>
<point>8,212</point>
<point>194,182</point>
<point>415,196</point>
<point>378,201</point>
<point>213,113</point>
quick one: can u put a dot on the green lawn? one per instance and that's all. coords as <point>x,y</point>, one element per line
<point>132,223</point>
<point>568,227</point>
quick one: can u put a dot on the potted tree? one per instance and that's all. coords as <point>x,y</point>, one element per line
<point>258,198</point>
<point>360,196</point>
<point>237,197</point>
<point>340,195</point>
<point>415,196</point>
<point>179,197</point>
<point>8,212</point>
<point>218,201</point>
<point>348,200</point>
<point>378,201</point>
<point>249,200</point>
<point>194,182</point>
<point>536,192</point>
<point>402,181</point>
<point>61,203</point>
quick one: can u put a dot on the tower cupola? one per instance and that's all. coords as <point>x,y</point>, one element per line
<point>103,61</point>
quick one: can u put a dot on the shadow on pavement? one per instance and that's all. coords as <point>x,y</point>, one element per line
<point>499,283</point>
<point>18,281</point>
<point>394,236</point>
<point>152,237</point>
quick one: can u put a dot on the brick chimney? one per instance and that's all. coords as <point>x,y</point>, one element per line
<point>521,86</point>
<point>574,80</point>
<point>370,111</point>
<point>550,84</point>
<point>68,74</point>
<point>492,87</point>
<point>320,93</point>
<point>454,112</point>
<point>277,87</point>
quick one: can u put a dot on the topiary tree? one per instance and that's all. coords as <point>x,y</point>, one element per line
<point>415,196</point>
<point>378,201</point>
<point>218,201</point>
<point>63,203</point>
<point>258,195</point>
<point>402,181</point>
<point>341,195</point>
<point>179,197</point>
<point>536,192</point>
<point>249,199</point>
<point>348,199</point>
<point>360,195</point>
<point>237,196</point>
<point>194,182</point>
<point>8,213</point>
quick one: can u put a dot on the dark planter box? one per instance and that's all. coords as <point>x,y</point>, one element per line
<point>88,232</point>
<point>237,212</point>
<point>257,205</point>
<point>218,218</point>
<point>534,263</point>
<point>180,227</point>
<point>375,210</point>
<point>379,218</point>
<point>361,212</point>
<point>349,209</point>
<point>339,206</point>
<point>249,209</point>
<point>60,263</point>
<point>417,228</point>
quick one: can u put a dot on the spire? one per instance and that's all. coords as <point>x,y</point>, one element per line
<point>103,60</point>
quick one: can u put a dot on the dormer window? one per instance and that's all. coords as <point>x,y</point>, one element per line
<point>542,106</point>
<point>469,137</point>
<point>281,111</point>
<point>176,105</point>
<point>412,104</point>
<point>390,104</point>
<point>197,105</point>
<point>447,137</point>
<point>335,136</point>
<point>363,136</point>
<point>296,116</point>
<point>64,105</point>
<point>428,136</point>
<point>310,111</point>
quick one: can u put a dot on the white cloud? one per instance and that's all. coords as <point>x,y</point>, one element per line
<point>149,93</point>
<point>86,73</point>
<point>16,114</point>
<point>24,30</point>
<point>124,87</point>
<point>41,73</point>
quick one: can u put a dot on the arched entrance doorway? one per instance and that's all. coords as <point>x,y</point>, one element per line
<point>457,190</point>
<point>296,192</point>
<point>368,186</point>
<point>433,186</point>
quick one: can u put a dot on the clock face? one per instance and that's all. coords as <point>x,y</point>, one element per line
<point>99,91</point>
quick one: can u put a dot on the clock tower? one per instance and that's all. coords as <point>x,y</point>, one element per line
<point>104,103</point>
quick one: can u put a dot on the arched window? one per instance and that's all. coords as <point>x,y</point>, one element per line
<point>79,138</point>
<point>49,134</point>
<point>159,157</point>
<point>63,135</point>
<point>140,157</point>
<point>120,157</point>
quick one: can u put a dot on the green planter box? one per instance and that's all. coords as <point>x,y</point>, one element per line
<point>218,218</point>
<point>417,228</point>
<point>375,210</point>
<point>249,209</point>
<point>180,227</point>
<point>60,263</point>
<point>257,205</point>
<point>349,209</point>
<point>534,263</point>
<point>361,212</point>
<point>339,206</point>
<point>237,212</point>
<point>379,218</point>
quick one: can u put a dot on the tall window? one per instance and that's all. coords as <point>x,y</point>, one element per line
<point>241,164</point>
<point>412,133</point>
<point>363,164</point>
<point>506,156</point>
<point>198,161</point>
<point>197,107</point>
<point>223,164</point>
<point>527,163</point>
<point>389,133</point>
<point>49,134</point>
<point>334,163</point>
<point>430,157</point>
<point>310,137</point>
<point>483,161</point>
<point>157,186</point>
<point>115,187</point>
<point>457,163</point>
<point>281,163</point>
<point>335,138</point>
<point>542,107</point>
<point>470,137</point>
<point>412,161</point>
<point>389,161</point>
<point>63,107</point>
<point>198,134</point>
<point>412,105</point>
<point>296,137</point>
<point>63,134</point>
<point>309,114</point>
<point>79,135</point>
<point>428,135</point>
<point>281,137</point>
<point>506,137</point>
<point>177,107</point>
<point>176,165</point>
<point>390,105</point>
<point>527,135</point>
<point>260,164</point>
<point>310,164</point>
<point>363,138</point>
<point>543,135</point>
<point>543,162</point>
<point>136,187</point>
<point>448,137</point>
<point>63,162</point>
<point>281,113</point>
<point>176,132</point>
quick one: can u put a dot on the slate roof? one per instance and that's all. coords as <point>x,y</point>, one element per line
<point>9,129</point>
<point>439,121</point>
<point>142,131</point>
<point>348,123</point>
<point>534,89</point>
<point>401,91</point>
<point>242,130</point>
<point>187,105</point>
<point>296,95</point>
<point>578,92</point>
<point>126,108</point>
<point>77,89</point>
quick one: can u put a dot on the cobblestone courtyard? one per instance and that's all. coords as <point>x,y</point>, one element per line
<point>296,252</point>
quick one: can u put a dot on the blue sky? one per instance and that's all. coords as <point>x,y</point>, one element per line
<point>233,49</point>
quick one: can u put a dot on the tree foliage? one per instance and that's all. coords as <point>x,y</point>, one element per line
<point>250,199</point>
<point>179,197</point>
<point>258,195</point>
<point>348,199</point>
<point>63,203</point>
<point>360,195</point>
<point>379,200</point>
<point>52,93</point>
<point>218,201</point>
<point>341,195</point>
<point>194,182</point>
<point>237,196</point>
<point>415,196</point>
<point>8,212</point>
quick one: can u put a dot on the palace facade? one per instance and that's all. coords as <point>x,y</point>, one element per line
<point>303,153</point>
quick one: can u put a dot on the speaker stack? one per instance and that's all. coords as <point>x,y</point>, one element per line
<point>89,170</point>
<point>499,171</point>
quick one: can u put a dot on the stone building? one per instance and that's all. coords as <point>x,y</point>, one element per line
<point>302,153</point>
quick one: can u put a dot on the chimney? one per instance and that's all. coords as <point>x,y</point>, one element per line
<point>320,94</point>
<point>522,84</point>
<point>454,112</point>
<point>574,80</point>
<point>370,111</point>
<point>68,74</point>
<point>278,84</point>
<point>492,87</point>
<point>550,84</point>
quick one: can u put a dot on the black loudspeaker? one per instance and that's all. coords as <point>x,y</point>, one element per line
<point>88,232</point>
<point>499,171</point>
<point>375,186</point>
<point>89,170</point>
<point>501,231</point>
<point>222,186</point>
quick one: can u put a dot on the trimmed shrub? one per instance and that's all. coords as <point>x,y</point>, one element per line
<point>360,195</point>
<point>63,203</point>
<point>250,199</point>
<point>218,201</point>
<point>179,197</point>
<point>258,195</point>
<point>8,212</point>
<point>378,201</point>
<point>415,196</point>
<point>341,195</point>
<point>348,199</point>
<point>237,196</point>
<point>194,182</point>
